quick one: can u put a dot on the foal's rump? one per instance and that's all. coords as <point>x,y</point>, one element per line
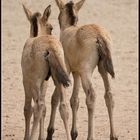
<point>43,57</point>
<point>99,38</point>
<point>50,52</point>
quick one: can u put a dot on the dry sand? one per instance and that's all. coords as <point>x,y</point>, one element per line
<point>119,17</point>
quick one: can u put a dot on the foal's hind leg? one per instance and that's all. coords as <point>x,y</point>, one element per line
<point>41,133</point>
<point>38,109</point>
<point>74,101</point>
<point>27,110</point>
<point>108,99</point>
<point>54,104</point>
<point>43,92</point>
<point>90,102</point>
<point>64,111</point>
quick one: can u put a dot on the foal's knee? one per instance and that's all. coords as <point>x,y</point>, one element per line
<point>90,99</point>
<point>28,110</point>
<point>39,110</point>
<point>54,100</point>
<point>109,99</point>
<point>74,102</point>
<point>63,110</point>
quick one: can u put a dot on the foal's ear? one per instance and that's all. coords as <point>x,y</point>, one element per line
<point>46,13</point>
<point>27,12</point>
<point>60,3</point>
<point>79,4</point>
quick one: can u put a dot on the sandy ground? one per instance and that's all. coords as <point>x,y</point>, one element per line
<point>120,19</point>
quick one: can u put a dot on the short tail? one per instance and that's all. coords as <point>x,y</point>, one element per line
<point>57,71</point>
<point>105,56</point>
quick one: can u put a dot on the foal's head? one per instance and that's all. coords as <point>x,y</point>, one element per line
<point>68,15</point>
<point>39,23</point>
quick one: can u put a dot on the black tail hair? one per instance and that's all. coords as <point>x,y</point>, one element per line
<point>105,56</point>
<point>58,73</point>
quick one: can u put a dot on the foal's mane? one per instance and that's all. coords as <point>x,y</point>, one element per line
<point>34,25</point>
<point>73,18</point>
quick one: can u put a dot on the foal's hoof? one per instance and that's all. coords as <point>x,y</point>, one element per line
<point>50,133</point>
<point>113,138</point>
<point>26,138</point>
<point>49,138</point>
<point>74,135</point>
<point>91,139</point>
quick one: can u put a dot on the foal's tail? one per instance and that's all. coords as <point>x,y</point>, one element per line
<point>105,56</point>
<point>56,69</point>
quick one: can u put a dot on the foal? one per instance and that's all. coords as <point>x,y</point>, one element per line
<point>42,57</point>
<point>85,47</point>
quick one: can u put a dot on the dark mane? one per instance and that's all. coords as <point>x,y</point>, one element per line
<point>34,26</point>
<point>72,16</point>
